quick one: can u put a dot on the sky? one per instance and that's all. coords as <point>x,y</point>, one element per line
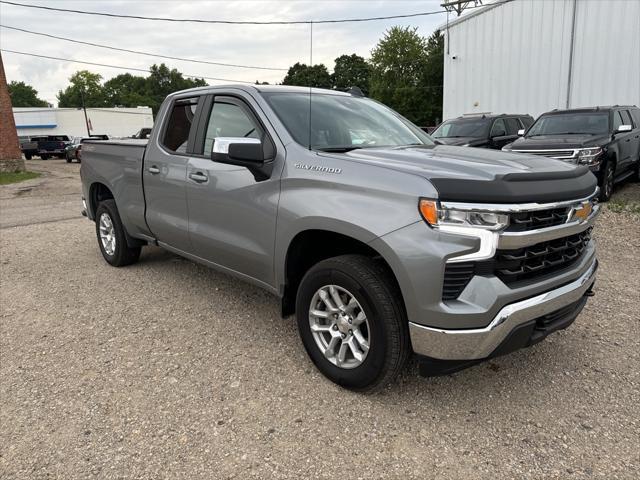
<point>259,45</point>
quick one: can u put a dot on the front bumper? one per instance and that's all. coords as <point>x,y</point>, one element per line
<point>481,343</point>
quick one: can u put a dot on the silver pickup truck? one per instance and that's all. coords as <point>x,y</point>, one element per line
<point>380,240</point>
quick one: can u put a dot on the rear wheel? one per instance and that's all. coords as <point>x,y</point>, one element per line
<point>111,236</point>
<point>606,182</point>
<point>28,156</point>
<point>352,322</point>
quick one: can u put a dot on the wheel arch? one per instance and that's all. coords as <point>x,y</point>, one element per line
<point>310,246</point>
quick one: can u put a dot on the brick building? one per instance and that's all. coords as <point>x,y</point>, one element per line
<point>10,154</point>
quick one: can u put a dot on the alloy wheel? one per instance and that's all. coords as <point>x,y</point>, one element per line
<point>339,326</point>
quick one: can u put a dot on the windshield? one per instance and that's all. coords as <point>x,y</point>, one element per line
<point>478,128</point>
<point>342,123</point>
<point>571,123</point>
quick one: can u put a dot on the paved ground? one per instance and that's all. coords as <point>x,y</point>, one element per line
<point>168,370</point>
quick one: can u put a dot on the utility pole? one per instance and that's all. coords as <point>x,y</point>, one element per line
<point>458,6</point>
<point>84,108</point>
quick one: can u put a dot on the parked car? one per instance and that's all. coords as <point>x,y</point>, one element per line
<point>606,139</point>
<point>382,245</point>
<point>74,149</point>
<point>53,146</point>
<point>484,130</point>
<point>29,146</point>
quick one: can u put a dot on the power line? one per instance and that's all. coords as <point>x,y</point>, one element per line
<point>139,52</point>
<point>118,66</point>
<point>227,22</point>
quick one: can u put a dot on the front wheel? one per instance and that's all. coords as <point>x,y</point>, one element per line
<point>352,322</point>
<point>606,182</point>
<point>28,156</point>
<point>111,236</point>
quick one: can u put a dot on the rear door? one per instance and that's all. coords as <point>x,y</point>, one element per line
<point>232,211</point>
<point>165,171</point>
<point>625,140</point>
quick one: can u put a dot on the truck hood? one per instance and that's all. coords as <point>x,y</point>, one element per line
<point>551,142</point>
<point>489,176</point>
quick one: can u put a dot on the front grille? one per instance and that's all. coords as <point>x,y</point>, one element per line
<point>531,220</point>
<point>562,154</point>
<point>513,266</point>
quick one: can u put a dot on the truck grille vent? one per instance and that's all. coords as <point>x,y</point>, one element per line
<point>513,266</point>
<point>523,221</point>
<point>456,278</point>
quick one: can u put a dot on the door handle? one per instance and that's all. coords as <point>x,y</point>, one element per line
<point>198,177</point>
<point>153,169</point>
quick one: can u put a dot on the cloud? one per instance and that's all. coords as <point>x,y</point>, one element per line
<point>273,45</point>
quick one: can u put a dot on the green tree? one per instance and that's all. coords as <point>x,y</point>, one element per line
<point>398,65</point>
<point>351,71</point>
<point>81,83</point>
<point>23,95</point>
<point>433,77</point>
<point>162,81</point>
<point>308,76</point>
<point>126,90</point>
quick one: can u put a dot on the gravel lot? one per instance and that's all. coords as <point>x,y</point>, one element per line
<point>169,370</point>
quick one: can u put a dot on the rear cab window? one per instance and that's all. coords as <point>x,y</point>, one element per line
<point>180,120</point>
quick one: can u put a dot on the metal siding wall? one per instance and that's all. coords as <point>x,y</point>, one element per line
<point>514,58</point>
<point>606,64</point>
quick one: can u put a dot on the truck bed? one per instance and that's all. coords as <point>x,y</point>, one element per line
<point>118,165</point>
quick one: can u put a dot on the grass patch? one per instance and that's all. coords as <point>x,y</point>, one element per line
<point>15,177</point>
<point>620,206</point>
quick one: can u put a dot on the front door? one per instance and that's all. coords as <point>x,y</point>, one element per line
<point>232,212</point>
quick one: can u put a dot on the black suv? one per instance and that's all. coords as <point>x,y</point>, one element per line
<point>606,139</point>
<point>482,130</point>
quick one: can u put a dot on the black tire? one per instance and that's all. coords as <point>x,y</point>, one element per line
<point>607,181</point>
<point>122,254</point>
<point>372,285</point>
<point>44,157</point>
<point>68,159</point>
<point>28,156</point>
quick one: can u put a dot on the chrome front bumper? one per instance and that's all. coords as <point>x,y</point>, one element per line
<point>479,343</point>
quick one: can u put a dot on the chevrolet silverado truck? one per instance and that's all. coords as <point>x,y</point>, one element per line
<point>380,240</point>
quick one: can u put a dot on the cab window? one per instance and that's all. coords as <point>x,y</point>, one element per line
<point>176,134</point>
<point>230,119</point>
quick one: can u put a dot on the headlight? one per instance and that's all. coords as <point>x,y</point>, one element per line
<point>589,156</point>
<point>436,216</point>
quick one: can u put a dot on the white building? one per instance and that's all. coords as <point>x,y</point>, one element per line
<point>531,56</point>
<point>115,122</point>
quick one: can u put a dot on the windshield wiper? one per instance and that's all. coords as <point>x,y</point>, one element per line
<point>339,149</point>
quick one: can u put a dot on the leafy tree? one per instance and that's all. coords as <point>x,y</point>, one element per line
<point>308,76</point>
<point>398,65</point>
<point>83,82</point>
<point>162,81</point>
<point>351,71</point>
<point>126,90</point>
<point>433,77</point>
<point>23,95</point>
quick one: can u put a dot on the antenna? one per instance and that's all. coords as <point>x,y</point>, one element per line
<point>459,6</point>
<point>309,77</point>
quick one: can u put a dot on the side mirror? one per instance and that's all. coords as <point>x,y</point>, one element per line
<point>245,152</point>
<point>624,128</point>
<point>521,132</point>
